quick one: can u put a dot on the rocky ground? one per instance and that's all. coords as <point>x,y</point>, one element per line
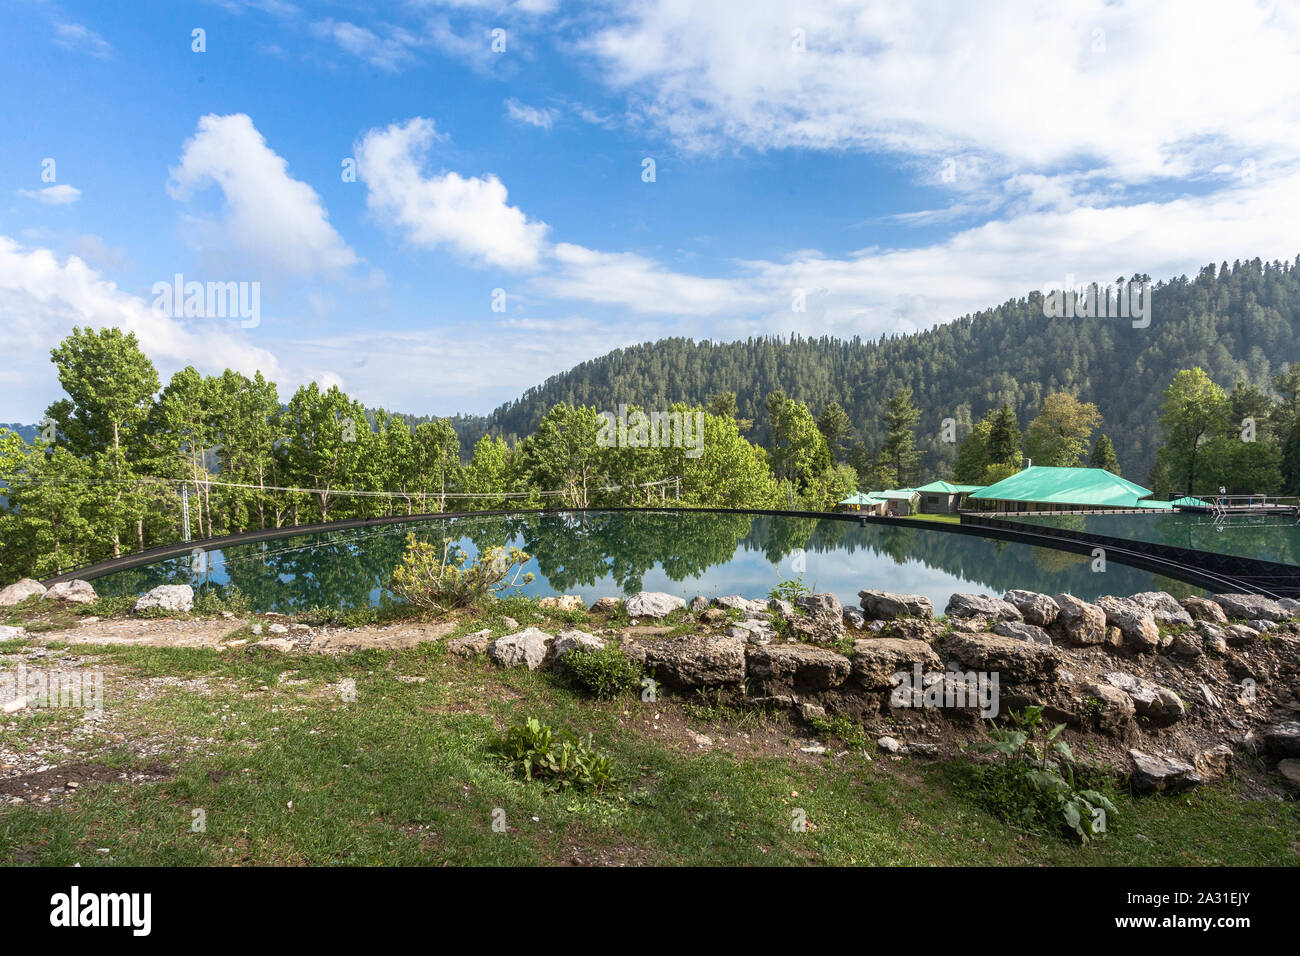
<point>1169,693</point>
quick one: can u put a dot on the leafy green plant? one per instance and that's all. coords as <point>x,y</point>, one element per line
<point>212,601</point>
<point>563,760</point>
<point>440,579</point>
<point>789,590</point>
<point>605,673</point>
<point>1036,782</point>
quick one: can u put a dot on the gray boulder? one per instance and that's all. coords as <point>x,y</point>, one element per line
<point>981,605</point>
<point>654,604</point>
<point>885,605</point>
<point>1203,609</point>
<point>854,618</point>
<point>606,605</point>
<point>574,640</point>
<point>823,603</point>
<point>752,632</point>
<point>1159,705</point>
<point>1037,609</point>
<point>1136,624</point>
<point>1247,606</point>
<point>1283,740</point>
<point>877,660</point>
<point>167,597</point>
<point>1159,774</point>
<point>1016,661</point>
<point>20,591</point>
<point>796,667</point>
<point>1113,709</point>
<point>1163,608</point>
<point>699,604</point>
<point>74,592</point>
<point>734,602</point>
<point>528,647</point>
<point>1213,637</point>
<point>1238,634</point>
<point>695,661</point>
<point>1079,623</point>
<point>1022,631</point>
<point>469,645</point>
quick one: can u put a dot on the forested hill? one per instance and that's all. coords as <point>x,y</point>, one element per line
<point>1238,322</point>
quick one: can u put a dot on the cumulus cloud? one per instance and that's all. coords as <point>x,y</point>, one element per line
<point>61,195</point>
<point>44,297</point>
<point>1118,84</point>
<point>269,216</point>
<point>526,115</point>
<point>469,214</point>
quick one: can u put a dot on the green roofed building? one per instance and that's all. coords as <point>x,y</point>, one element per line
<point>943,497</point>
<point>1042,488</point>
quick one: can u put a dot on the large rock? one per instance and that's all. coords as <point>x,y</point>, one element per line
<point>885,605</point>
<point>822,621</point>
<point>469,645</point>
<point>695,661</point>
<point>981,605</point>
<point>1159,705</point>
<point>1203,609</point>
<point>1213,637</point>
<point>753,632</point>
<point>1163,607</point>
<point>606,605</point>
<point>876,661</point>
<point>20,591</point>
<point>1239,634</point>
<point>1037,609</point>
<point>1248,606</point>
<point>1014,660</point>
<point>796,667</point>
<point>734,602</point>
<point>528,647</point>
<point>1079,623</point>
<point>1113,709</point>
<point>562,602</point>
<point>1022,631</point>
<point>653,604</point>
<point>1290,771</point>
<point>167,597</point>
<point>1283,740</point>
<point>74,592</point>
<point>1159,774</point>
<point>1136,624</point>
<point>568,641</point>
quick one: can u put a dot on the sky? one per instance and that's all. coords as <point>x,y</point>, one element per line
<point>441,203</point>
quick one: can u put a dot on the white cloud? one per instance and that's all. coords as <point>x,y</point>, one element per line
<point>390,51</point>
<point>1165,88</point>
<point>76,36</point>
<point>470,214</point>
<point>45,297</point>
<point>61,195</point>
<point>270,216</point>
<point>541,117</point>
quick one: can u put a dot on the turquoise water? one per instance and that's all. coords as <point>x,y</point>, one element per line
<point>1265,537</point>
<point>600,554</point>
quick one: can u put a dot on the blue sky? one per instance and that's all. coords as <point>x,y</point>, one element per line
<point>898,164</point>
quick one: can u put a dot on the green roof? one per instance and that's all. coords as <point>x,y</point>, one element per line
<point>948,488</point>
<point>1066,486</point>
<point>896,493</point>
<point>859,499</point>
<point>1156,505</point>
<point>1186,502</point>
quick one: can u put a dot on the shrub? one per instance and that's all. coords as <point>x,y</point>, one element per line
<point>439,580</point>
<point>565,760</point>
<point>212,601</point>
<point>1036,784</point>
<point>789,590</point>
<point>604,673</point>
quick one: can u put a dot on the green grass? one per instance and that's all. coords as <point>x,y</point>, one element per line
<point>294,773</point>
<point>946,519</point>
